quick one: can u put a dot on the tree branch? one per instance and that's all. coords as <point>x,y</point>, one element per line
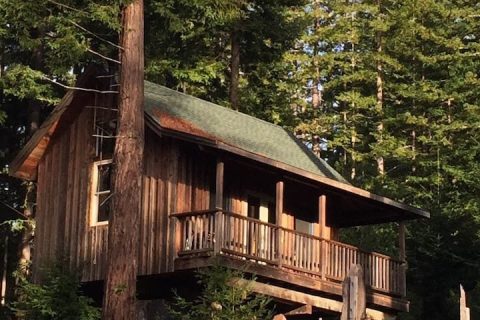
<point>94,34</point>
<point>68,7</point>
<point>77,88</point>
<point>102,56</point>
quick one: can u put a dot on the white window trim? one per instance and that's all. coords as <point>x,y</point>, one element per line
<point>93,214</point>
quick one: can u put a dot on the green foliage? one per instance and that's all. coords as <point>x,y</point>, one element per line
<point>19,225</point>
<point>57,298</point>
<point>190,50</point>
<point>429,113</point>
<point>221,299</point>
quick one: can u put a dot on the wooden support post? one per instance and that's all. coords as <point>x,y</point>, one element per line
<point>178,233</point>
<point>403,257</point>
<point>219,185</point>
<point>218,244</point>
<point>464,310</point>
<point>278,216</point>
<point>354,295</point>
<point>218,240</point>
<point>4,275</point>
<point>323,233</point>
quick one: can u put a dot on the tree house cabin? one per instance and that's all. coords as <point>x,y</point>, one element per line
<point>219,187</point>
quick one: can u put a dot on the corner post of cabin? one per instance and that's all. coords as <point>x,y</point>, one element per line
<point>402,257</point>
<point>219,180</point>
<point>323,233</point>
<point>278,218</point>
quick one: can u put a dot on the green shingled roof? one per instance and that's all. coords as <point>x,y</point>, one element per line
<point>233,128</point>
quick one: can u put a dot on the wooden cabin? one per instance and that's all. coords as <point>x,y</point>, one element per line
<point>219,187</point>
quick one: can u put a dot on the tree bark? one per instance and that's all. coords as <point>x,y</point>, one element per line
<point>316,94</point>
<point>379,40</point>
<point>234,69</point>
<point>121,274</point>
<point>34,106</point>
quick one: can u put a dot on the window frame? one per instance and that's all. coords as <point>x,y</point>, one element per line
<point>94,195</point>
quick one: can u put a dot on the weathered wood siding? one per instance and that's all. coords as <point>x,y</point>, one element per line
<point>63,181</point>
<point>178,177</point>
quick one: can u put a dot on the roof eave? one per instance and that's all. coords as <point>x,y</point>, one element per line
<point>413,211</point>
<point>25,163</point>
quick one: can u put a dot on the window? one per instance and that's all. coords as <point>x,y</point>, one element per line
<point>100,205</point>
<point>259,207</point>
<point>303,226</point>
<point>105,125</point>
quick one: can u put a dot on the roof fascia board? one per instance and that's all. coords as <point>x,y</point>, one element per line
<point>46,130</point>
<point>43,134</point>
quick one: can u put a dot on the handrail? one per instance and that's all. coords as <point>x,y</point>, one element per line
<point>222,232</point>
<point>374,253</point>
<point>345,245</point>
<point>192,213</point>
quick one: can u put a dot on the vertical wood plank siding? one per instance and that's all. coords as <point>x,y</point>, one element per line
<point>177,178</point>
<point>62,195</point>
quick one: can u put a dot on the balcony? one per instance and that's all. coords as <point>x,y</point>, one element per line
<point>218,233</point>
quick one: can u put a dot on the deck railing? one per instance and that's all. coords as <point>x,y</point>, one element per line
<point>235,235</point>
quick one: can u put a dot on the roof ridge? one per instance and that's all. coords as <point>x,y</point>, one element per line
<point>214,104</point>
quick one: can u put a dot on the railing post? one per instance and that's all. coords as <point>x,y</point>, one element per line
<point>218,243</point>
<point>323,258</point>
<point>178,234</point>
<point>403,258</point>
<point>278,216</point>
<point>219,180</point>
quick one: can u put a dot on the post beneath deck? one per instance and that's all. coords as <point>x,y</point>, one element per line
<point>219,179</point>
<point>278,219</point>
<point>403,258</point>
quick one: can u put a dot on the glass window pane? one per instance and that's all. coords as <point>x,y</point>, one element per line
<point>104,175</point>
<point>104,205</point>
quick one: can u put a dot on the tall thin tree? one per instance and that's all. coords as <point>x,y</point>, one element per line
<point>120,280</point>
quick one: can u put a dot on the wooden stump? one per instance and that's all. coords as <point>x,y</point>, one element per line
<point>353,295</point>
<point>464,310</point>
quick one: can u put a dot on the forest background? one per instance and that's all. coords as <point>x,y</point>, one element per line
<point>386,91</point>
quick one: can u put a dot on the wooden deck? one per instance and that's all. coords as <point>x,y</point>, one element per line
<point>280,252</point>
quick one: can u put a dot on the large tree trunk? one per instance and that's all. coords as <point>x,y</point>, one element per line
<point>379,67</point>
<point>234,69</point>
<point>120,282</point>
<point>316,94</point>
